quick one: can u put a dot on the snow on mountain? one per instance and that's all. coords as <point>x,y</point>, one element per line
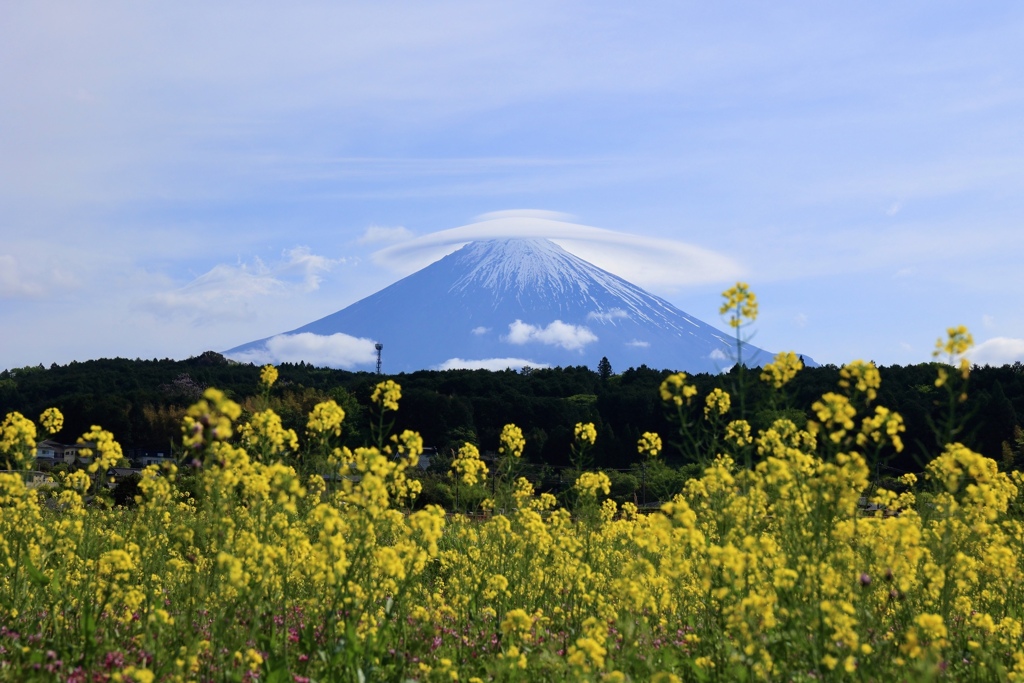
<point>507,303</point>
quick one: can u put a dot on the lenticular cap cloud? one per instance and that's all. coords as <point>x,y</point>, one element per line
<point>647,261</point>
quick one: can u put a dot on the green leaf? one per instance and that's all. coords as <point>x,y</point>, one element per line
<point>279,675</point>
<point>38,578</point>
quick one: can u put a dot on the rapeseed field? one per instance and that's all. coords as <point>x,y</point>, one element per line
<point>785,560</point>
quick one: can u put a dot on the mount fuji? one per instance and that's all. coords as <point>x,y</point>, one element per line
<point>507,303</point>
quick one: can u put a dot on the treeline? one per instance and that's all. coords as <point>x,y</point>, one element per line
<point>142,402</point>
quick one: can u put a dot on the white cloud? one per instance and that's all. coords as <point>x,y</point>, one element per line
<point>638,343</point>
<point>988,321</point>
<point>558,333</point>
<point>235,291</point>
<point>645,261</point>
<point>998,351</point>
<point>894,209</point>
<point>308,265</point>
<point>718,354</point>
<point>495,364</point>
<point>336,350</point>
<point>222,292</point>
<point>32,277</point>
<point>380,233</point>
<point>13,283</point>
<point>607,316</point>
<point>480,330</point>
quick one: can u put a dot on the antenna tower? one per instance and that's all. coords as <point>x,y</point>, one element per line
<point>379,348</point>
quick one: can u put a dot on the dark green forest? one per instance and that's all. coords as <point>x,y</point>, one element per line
<point>142,402</point>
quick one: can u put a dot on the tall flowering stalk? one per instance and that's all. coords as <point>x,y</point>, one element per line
<point>268,377</point>
<point>467,469</point>
<point>585,437</point>
<point>779,372</point>
<point>17,440</point>
<point>512,443</point>
<point>385,397</point>
<point>739,306</point>
<point>649,445</point>
<point>953,348</point>
<point>677,392</point>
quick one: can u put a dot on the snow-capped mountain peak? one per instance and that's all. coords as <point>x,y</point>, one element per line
<point>507,303</point>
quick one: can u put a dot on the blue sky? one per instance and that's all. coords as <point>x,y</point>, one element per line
<point>186,176</point>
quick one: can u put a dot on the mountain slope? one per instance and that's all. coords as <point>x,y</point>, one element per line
<point>511,301</point>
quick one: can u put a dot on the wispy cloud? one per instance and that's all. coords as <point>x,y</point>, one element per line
<point>222,292</point>
<point>310,267</point>
<point>638,343</point>
<point>480,330</point>
<point>607,316</point>
<point>557,333</point>
<point>234,291</point>
<point>13,282</point>
<point>32,279</point>
<point>496,364</point>
<point>378,233</point>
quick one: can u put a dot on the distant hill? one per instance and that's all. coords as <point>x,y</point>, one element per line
<point>142,403</point>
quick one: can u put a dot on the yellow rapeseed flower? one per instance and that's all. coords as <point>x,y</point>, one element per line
<point>586,433</point>
<point>589,483</point>
<point>468,466</point>
<point>17,439</point>
<point>862,376</point>
<point>884,424</point>
<point>108,451</point>
<point>325,418</point>
<point>737,432</point>
<point>131,674</point>
<point>674,389</point>
<point>512,441</point>
<point>782,369</point>
<point>268,375</point>
<point>265,431</point>
<point>716,403</point>
<point>740,303</point>
<point>52,420</point>
<point>649,444</point>
<point>209,419</point>
<point>253,659</point>
<point>387,394</point>
<point>957,342</point>
<point>836,412</point>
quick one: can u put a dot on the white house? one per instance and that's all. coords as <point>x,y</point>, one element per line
<point>73,452</point>
<point>50,449</point>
